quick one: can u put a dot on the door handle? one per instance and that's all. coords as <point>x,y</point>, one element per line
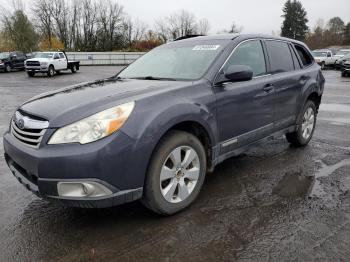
<point>268,88</point>
<point>303,79</point>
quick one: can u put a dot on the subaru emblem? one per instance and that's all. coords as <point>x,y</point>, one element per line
<point>20,123</point>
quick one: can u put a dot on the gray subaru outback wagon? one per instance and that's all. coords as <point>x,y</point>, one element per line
<point>153,131</point>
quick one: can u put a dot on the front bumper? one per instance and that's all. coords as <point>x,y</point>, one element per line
<point>345,67</point>
<point>38,69</point>
<point>107,162</point>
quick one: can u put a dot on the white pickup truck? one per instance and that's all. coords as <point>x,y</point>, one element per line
<point>324,57</point>
<point>50,63</point>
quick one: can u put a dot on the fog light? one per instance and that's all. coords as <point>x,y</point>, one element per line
<point>82,189</point>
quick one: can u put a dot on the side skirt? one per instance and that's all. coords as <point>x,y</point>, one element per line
<point>220,158</point>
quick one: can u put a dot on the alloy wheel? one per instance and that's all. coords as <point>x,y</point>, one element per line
<point>179,174</point>
<point>308,123</point>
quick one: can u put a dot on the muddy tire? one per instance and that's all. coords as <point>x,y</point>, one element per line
<point>305,126</point>
<point>176,173</point>
<point>51,71</point>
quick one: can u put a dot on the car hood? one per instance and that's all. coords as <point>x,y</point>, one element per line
<point>40,59</point>
<point>66,105</point>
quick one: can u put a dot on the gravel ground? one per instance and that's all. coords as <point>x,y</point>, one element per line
<point>272,203</point>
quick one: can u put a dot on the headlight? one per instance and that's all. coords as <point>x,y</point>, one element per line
<point>94,127</point>
<point>43,63</point>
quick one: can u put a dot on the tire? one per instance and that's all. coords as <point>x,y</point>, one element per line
<point>323,66</point>
<point>180,186</point>
<point>31,74</point>
<point>51,71</point>
<point>73,69</point>
<point>8,68</point>
<point>305,126</point>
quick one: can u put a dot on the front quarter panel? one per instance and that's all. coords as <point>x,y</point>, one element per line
<point>155,115</point>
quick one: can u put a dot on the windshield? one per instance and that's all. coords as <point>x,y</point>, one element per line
<point>43,55</point>
<point>4,55</point>
<point>185,61</point>
<point>344,52</point>
<point>319,54</point>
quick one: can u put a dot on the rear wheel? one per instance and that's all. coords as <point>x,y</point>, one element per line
<point>31,74</point>
<point>51,71</point>
<point>176,173</point>
<point>305,126</point>
<point>73,69</point>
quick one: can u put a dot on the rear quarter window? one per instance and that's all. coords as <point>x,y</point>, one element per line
<point>304,55</point>
<point>280,56</point>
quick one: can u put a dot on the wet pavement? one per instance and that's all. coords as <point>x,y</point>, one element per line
<point>273,203</point>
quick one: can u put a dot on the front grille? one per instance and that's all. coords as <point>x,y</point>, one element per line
<point>30,137</point>
<point>32,63</point>
<point>30,132</point>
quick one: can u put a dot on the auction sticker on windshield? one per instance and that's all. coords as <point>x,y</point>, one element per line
<point>206,47</point>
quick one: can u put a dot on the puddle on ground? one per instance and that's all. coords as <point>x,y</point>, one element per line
<point>298,185</point>
<point>294,185</point>
<point>317,189</point>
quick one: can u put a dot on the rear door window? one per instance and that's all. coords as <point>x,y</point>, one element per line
<point>250,54</point>
<point>304,56</point>
<point>56,56</point>
<point>280,56</point>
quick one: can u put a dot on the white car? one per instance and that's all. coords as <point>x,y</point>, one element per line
<point>324,57</point>
<point>49,63</point>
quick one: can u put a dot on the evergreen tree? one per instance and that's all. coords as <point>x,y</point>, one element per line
<point>295,20</point>
<point>20,32</point>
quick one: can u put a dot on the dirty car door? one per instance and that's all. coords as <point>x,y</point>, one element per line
<point>245,110</point>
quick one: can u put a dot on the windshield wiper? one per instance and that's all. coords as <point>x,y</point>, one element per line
<point>154,78</point>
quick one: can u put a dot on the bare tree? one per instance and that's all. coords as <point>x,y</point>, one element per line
<point>203,26</point>
<point>110,21</point>
<point>61,15</point>
<point>161,28</point>
<point>233,29</point>
<point>135,30</point>
<point>44,20</point>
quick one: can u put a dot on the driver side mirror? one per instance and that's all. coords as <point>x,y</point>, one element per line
<point>236,73</point>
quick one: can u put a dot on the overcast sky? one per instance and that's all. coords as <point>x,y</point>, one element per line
<point>255,16</point>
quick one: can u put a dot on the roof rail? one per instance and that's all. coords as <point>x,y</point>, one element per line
<point>186,37</point>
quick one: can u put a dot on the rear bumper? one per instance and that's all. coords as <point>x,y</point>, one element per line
<point>107,162</point>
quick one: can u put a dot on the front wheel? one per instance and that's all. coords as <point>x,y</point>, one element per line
<point>51,71</point>
<point>323,65</point>
<point>305,126</point>
<point>176,173</point>
<point>8,68</point>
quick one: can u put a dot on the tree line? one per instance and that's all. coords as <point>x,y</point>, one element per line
<point>333,33</point>
<point>90,25</point>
